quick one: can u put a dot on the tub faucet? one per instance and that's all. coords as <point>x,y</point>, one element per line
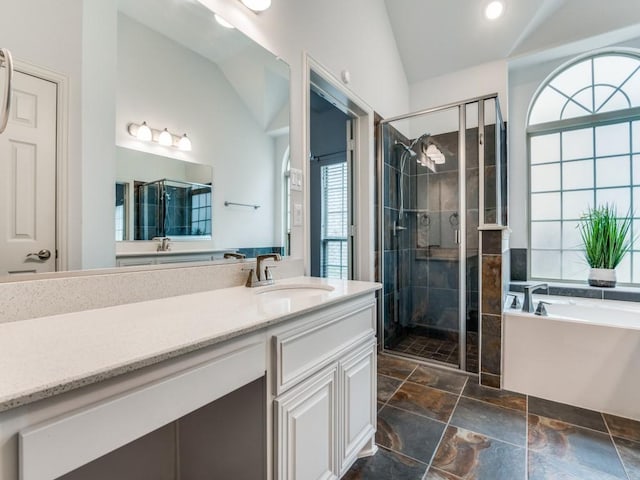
<point>237,256</point>
<point>527,305</point>
<point>164,244</point>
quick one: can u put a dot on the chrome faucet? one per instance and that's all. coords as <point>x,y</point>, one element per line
<point>256,278</point>
<point>527,305</point>
<point>237,256</point>
<point>164,244</point>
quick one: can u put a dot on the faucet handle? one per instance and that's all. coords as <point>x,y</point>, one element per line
<point>252,279</point>
<point>541,310</point>
<point>514,302</point>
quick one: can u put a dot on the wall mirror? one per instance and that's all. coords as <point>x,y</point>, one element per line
<point>176,69</point>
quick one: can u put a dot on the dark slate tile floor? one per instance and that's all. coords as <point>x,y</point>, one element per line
<point>441,350</point>
<point>437,424</point>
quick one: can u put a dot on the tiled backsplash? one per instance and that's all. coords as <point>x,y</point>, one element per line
<point>65,293</point>
<point>625,294</point>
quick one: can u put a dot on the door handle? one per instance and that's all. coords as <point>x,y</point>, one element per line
<point>42,254</point>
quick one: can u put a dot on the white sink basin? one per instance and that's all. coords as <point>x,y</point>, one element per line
<point>293,290</point>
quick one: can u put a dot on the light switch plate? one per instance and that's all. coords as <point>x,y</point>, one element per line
<point>295,178</point>
<point>297,215</point>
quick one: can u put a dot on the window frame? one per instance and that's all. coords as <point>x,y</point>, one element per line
<point>592,121</point>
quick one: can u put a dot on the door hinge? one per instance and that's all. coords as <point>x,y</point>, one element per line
<point>353,230</point>
<point>351,144</point>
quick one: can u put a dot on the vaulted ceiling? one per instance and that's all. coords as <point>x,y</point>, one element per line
<point>435,37</point>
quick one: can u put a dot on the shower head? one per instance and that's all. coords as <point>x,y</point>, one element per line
<point>420,138</point>
<point>406,148</point>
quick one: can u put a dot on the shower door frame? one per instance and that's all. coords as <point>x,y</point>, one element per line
<point>462,209</point>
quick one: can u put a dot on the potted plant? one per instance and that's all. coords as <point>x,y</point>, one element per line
<point>606,241</point>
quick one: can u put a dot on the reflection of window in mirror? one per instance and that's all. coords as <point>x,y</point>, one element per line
<point>201,212</point>
<point>122,190</point>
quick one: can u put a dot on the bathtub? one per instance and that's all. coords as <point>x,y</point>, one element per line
<point>585,353</point>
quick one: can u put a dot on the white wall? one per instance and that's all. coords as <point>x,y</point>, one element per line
<point>524,79</point>
<point>461,85</point>
<point>197,98</point>
<point>352,35</point>
<point>99,65</point>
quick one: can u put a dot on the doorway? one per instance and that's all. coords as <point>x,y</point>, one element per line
<point>356,130</point>
<point>28,169</point>
<point>330,189</point>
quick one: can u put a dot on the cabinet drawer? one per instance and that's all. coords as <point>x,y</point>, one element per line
<point>309,348</point>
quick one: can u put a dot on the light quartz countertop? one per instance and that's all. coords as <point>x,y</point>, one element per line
<point>46,356</point>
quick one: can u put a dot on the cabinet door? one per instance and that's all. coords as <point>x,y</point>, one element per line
<point>306,426</point>
<point>358,397</point>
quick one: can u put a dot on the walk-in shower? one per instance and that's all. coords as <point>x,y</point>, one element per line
<point>442,175</point>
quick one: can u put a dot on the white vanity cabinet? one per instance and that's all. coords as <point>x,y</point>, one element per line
<point>288,395</point>
<point>325,411</point>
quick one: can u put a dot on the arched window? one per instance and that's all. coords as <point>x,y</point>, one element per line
<point>584,150</point>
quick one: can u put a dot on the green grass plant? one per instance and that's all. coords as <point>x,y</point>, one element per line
<point>606,237</point>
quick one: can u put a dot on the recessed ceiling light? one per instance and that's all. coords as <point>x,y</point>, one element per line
<point>223,22</point>
<point>257,5</point>
<point>494,10</point>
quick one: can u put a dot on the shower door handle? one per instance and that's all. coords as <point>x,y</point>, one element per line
<point>456,237</point>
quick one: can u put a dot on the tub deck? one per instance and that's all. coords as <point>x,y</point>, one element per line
<point>585,353</point>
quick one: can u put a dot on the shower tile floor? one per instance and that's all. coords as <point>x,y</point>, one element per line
<point>434,424</point>
<point>441,350</point>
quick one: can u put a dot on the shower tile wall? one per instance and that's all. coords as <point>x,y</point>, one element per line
<point>397,301</point>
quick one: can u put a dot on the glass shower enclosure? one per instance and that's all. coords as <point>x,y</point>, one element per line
<point>442,175</point>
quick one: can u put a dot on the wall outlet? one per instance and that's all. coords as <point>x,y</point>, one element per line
<point>297,214</point>
<point>295,179</point>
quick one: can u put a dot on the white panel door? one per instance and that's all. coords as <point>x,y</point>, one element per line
<point>306,420</point>
<point>28,179</point>
<point>358,394</point>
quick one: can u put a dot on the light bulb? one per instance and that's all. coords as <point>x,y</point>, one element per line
<point>165,139</point>
<point>494,10</point>
<point>257,5</point>
<point>184,143</point>
<point>144,133</point>
<point>222,21</point>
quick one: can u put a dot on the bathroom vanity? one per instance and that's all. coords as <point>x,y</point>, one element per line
<point>272,382</point>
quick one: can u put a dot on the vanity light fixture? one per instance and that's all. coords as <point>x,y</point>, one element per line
<point>223,22</point>
<point>163,137</point>
<point>257,5</point>
<point>184,143</point>
<point>494,10</point>
<point>143,132</point>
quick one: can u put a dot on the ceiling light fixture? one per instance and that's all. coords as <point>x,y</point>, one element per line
<point>163,137</point>
<point>494,10</point>
<point>257,5</point>
<point>222,21</point>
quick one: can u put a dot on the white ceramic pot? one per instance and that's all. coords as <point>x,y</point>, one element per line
<point>602,277</point>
